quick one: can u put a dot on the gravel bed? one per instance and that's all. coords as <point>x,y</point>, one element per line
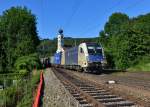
<point>55,94</point>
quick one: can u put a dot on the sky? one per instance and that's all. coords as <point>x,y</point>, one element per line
<point>78,18</point>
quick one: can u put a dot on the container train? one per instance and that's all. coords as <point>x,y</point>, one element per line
<point>46,62</point>
<point>86,57</point>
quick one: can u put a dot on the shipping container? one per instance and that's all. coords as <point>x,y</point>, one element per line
<point>71,56</point>
<point>57,58</point>
<point>52,59</point>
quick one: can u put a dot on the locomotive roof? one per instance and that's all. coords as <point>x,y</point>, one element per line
<point>90,43</point>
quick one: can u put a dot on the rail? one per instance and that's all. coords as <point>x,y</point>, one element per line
<point>88,94</point>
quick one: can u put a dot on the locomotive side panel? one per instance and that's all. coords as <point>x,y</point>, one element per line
<point>71,56</point>
<point>63,58</point>
<point>82,54</point>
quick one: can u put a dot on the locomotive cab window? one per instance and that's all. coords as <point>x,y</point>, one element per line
<point>99,50</point>
<point>91,50</point>
<point>94,49</point>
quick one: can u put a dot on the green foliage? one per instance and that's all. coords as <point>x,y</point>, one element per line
<point>127,39</point>
<point>25,64</point>
<point>46,47</point>
<point>114,23</point>
<point>27,99</point>
<point>143,64</point>
<point>20,95</point>
<point>35,78</point>
<point>18,35</point>
<point>8,97</point>
<point>23,71</point>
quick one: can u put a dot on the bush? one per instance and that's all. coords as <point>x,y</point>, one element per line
<point>20,95</point>
<point>27,63</point>
<point>142,64</point>
<point>8,97</point>
<point>23,71</point>
<point>35,79</point>
<point>109,58</point>
<point>27,99</point>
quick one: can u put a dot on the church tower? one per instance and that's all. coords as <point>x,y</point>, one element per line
<point>60,41</point>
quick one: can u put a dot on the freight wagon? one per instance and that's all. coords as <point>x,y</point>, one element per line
<point>57,59</point>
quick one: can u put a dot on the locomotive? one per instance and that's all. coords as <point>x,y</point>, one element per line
<point>86,57</point>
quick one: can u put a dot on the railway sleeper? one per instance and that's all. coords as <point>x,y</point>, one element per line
<point>100,94</point>
<point>75,94</point>
<point>104,96</point>
<point>83,85</point>
<point>119,104</point>
<point>99,91</point>
<point>79,98</point>
<point>93,91</point>
<point>86,105</point>
<point>87,87</point>
<point>92,88</point>
<point>117,99</point>
<point>83,101</point>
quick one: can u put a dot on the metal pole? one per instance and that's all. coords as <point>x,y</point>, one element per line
<point>75,43</point>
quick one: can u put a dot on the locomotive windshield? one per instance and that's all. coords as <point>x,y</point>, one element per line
<point>94,49</point>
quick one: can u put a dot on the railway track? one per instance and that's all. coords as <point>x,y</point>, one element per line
<point>88,94</point>
<point>141,82</point>
<point>131,81</point>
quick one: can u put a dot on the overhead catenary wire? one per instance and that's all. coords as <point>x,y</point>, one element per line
<point>104,13</point>
<point>75,8</point>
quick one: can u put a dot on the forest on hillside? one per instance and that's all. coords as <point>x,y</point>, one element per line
<point>48,47</point>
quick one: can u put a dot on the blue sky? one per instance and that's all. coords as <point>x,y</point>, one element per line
<point>78,18</point>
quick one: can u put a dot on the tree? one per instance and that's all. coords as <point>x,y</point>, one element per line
<point>128,39</point>
<point>112,27</point>
<point>18,27</point>
<point>103,38</point>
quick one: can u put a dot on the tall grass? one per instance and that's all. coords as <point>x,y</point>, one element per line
<point>143,64</point>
